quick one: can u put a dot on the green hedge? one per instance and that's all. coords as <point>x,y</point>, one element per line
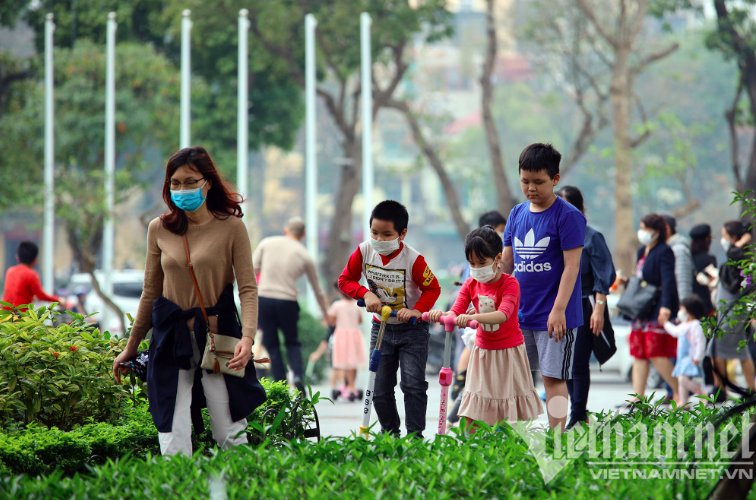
<point>58,376</point>
<point>37,449</point>
<point>489,465</point>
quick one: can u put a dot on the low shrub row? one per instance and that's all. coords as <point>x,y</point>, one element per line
<point>37,449</point>
<point>487,465</point>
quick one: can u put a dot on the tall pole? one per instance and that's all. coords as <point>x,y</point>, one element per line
<point>49,224</point>
<point>108,236</point>
<point>367,121</point>
<point>242,139</point>
<point>311,160</point>
<point>186,75</point>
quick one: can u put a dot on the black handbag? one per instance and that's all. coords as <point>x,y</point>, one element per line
<point>639,300</point>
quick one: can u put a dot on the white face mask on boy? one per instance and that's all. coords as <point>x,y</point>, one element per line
<point>386,247</point>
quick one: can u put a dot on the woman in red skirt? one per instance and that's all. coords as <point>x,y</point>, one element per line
<point>648,342</point>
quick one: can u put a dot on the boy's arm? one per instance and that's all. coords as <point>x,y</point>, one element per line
<point>430,290</point>
<point>507,260</point>
<point>557,323</point>
<point>349,281</point>
<point>36,288</point>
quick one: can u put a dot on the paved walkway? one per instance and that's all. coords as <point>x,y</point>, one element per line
<point>342,418</point>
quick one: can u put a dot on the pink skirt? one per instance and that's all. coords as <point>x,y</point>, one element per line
<point>499,386</point>
<point>348,349</point>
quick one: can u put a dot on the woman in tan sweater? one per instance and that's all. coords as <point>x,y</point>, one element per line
<point>203,208</point>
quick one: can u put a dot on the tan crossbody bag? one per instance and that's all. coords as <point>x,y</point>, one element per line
<point>219,349</point>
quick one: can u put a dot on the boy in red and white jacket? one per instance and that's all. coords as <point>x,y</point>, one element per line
<point>398,277</point>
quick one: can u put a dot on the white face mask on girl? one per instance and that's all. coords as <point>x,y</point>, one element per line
<point>384,248</point>
<point>484,274</point>
<point>726,244</point>
<point>646,237</point>
<point>683,316</point>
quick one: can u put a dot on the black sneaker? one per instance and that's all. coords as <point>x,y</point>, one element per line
<point>299,385</point>
<point>459,384</point>
<point>719,394</point>
<point>453,416</point>
<point>573,423</point>
<point>335,393</point>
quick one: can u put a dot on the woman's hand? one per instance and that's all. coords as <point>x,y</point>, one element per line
<point>597,320</point>
<point>128,353</point>
<point>435,315</point>
<point>242,353</point>
<point>664,315</point>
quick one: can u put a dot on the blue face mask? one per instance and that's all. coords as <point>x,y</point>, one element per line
<point>188,200</point>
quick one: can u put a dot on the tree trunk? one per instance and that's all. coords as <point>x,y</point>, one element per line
<point>84,255</point>
<point>340,244</point>
<point>450,190</point>
<point>749,81</point>
<point>504,199</point>
<point>626,241</point>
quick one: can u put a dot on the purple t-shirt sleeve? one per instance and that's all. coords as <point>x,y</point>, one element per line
<point>571,229</point>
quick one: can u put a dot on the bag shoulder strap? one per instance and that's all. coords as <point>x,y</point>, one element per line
<point>194,280</point>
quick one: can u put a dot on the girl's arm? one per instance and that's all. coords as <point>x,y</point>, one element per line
<point>490,318</point>
<point>697,343</point>
<point>676,331</point>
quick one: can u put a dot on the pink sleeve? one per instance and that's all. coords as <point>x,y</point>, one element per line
<point>510,292</point>
<point>463,299</point>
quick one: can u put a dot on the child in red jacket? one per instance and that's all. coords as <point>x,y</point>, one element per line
<point>399,278</point>
<point>22,282</point>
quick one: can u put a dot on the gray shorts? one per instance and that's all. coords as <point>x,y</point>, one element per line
<point>553,359</point>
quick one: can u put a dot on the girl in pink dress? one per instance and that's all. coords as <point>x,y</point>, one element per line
<point>348,347</point>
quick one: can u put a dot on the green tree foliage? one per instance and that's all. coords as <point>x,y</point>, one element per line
<point>146,118</point>
<point>277,43</point>
<point>275,110</point>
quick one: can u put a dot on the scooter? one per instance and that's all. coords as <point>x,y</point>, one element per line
<point>446,376</point>
<point>375,359</point>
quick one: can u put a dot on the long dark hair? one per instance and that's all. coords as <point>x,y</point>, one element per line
<point>656,222</point>
<point>484,242</point>
<point>573,196</point>
<point>222,201</point>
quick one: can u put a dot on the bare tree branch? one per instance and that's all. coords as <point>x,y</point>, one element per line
<point>731,116</point>
<point>504,199</point>
<point>586,9</point>
<point>634,143</point>
<point>692,204</point>
<point>652,58</point>
<point>452,199</point>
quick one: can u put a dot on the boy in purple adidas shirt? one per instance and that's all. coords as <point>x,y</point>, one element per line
<point>543,242</point>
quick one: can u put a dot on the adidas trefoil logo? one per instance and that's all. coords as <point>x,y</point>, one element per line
<point>530,249</point>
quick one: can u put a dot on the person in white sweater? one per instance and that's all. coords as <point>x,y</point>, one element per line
<point>684,266</point>
<point>691,345</point>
